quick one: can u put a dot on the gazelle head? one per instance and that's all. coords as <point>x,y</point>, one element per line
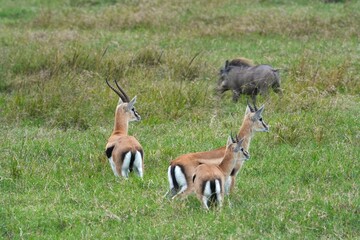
<point>125,106</point>
<point>233,146</point>
<point>254,115</point>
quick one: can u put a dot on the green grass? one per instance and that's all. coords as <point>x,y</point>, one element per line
<point>302,181</point>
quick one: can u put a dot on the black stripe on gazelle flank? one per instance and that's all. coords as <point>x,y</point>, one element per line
<point>194,178</point>
<point>132,159</point>
<point>173,177</point>
<point>203,185</point>
<point>233,172</point>
<point>109,151</point>
<point>142,154</point>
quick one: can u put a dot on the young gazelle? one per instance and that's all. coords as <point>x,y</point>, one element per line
<point>182,168</point>
<point>209,179</point>
<point>123,151</point>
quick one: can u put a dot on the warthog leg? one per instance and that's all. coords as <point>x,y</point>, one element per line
<point>236,95</point>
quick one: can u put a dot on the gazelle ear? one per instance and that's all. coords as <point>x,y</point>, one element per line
<point>259,112</point>
<point>120,101</point>
<point>248,110</point>
<point>131,103</point>
<point>193,178</point>
<point>229,141</point>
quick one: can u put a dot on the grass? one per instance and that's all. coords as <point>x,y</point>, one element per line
<point>57,113</point>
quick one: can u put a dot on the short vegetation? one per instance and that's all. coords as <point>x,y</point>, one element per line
<point>56,113</point>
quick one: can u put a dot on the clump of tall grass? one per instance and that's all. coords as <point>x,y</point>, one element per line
<point>189,67</point>
<point>147,57</point>
<point>70,101</point>
<point>312,75</point>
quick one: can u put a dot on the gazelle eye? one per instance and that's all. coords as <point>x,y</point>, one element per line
<point>260,119</point>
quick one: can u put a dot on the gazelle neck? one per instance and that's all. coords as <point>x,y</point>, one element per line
<point>246,132</point>
<point>121,123</point>
<point>227,164</point>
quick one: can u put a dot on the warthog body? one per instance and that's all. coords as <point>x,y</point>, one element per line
<point>242,77</point>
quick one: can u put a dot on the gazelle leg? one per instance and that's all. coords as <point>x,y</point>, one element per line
<point>219,199</point>
<point>205,202</point>
<point>227,185</point>
<point>182,189</point>
<point>236,95</point>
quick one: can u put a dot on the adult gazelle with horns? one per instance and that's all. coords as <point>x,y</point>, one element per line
<point>124,152</point>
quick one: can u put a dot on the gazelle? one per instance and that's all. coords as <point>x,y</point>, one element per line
<point>124,152</point>
<point>209,179</point>
<point>183,167</point>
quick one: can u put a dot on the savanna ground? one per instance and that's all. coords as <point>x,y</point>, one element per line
<point>302,181</point>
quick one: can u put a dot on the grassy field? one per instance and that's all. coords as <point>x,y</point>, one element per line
<point>56,113</point>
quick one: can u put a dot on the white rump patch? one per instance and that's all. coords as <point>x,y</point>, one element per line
<point>181,179</point>
<point>125,166</point>
<point>218,192</point>
<point>217,186</point>
<point>138,164</point>
<point>171,184</point>
<point>206,194</point>
<point>113,167</point>
<point>207,189</point>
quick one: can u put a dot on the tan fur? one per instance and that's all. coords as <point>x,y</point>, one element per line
<point>119,138</point>
<point>241,62</point>
<point>204,173</point>
<point>207,172</point>
<point>191,160</point>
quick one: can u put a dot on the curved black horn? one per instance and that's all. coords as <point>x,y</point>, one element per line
<point>116,91</point>
<point>126,97</point>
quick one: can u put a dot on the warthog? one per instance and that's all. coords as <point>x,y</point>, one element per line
<point>243,77</point>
